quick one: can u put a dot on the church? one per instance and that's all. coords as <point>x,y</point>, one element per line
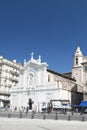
<point>38,85</point>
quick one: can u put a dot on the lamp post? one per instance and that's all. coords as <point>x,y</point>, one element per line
<point>83,90</point>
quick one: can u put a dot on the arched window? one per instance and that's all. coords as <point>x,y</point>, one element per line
<point>48,78</point>
<point>76,61</point>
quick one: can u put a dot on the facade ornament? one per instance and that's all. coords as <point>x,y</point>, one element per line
<point>32,56</point>
<point>39,59</point>
<point>24,62</point>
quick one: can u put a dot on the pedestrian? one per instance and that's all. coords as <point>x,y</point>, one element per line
<point>27,108</point>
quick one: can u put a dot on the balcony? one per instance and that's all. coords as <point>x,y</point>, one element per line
<point>14,72</point>
<point>13,79</point>
<point>8,85</point>
<point>5,93</point>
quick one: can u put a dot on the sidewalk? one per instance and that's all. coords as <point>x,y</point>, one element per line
<point>40,124</point>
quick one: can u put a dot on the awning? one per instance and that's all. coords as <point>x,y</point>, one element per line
<point>83,104</point>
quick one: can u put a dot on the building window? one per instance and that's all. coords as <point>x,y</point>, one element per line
<point>48,78</point>
<point>85,68</point>
<point>86,83</point>
<point>76,61</point>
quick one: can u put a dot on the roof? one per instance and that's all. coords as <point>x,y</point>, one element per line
<point>68,74</point>
<point>84,63</point>
<point>59,74</point>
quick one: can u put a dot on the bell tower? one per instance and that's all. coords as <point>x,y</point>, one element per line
<point>78,57</point>
<point>77,70</point>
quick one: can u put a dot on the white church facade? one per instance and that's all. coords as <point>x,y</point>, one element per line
<point>38,85</point>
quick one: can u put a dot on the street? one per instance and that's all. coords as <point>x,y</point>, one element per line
<point>39,124</point>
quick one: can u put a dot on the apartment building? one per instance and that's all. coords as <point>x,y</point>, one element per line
<point>9,75</point>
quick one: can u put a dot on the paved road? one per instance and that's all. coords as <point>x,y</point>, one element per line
<point>39,124</point>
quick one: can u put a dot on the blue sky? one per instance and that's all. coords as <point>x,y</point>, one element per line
<point>50,28</point>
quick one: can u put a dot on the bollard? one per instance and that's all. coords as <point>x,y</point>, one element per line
<point>83,118</point>
<point>56,116</point>
<point>69,118</point>
<point>9,115</point>
<point>20,114</point>
<point>32,115</point>
<point>72,113</point>
<point>44,117</point>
